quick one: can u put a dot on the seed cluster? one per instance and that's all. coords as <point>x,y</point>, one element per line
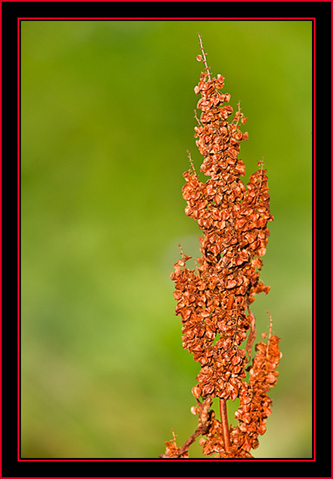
<point>213,299</point>
<point>172,450</point>
<point>254,402</point>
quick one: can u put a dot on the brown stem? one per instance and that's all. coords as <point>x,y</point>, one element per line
<point>184,448</point>
<point>224,423</point>
<point>252,334</point>
<point>202,429</point>
<point>204,56</point>
<point>204,425</point>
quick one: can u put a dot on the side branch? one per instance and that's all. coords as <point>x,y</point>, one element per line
<point>203,428</point>
<point>204,59</point>
<point>252,335</point>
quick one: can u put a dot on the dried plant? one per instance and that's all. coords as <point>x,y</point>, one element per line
<point>214,299</point>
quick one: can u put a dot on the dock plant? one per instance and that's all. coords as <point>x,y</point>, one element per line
<point>214,299</point>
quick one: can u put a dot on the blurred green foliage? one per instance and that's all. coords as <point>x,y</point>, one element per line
<point>107,116</point>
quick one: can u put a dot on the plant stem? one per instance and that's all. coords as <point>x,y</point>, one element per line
<point>224,423</point>
<point>201,429</point>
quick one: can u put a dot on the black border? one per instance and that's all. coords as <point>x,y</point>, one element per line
<point>163,468</point>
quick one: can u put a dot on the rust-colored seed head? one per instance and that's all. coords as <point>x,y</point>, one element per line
<point>214,300</point>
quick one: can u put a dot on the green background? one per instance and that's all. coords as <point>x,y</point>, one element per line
<point>107,115</point>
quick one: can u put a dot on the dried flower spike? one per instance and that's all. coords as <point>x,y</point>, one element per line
<point>214,301</point>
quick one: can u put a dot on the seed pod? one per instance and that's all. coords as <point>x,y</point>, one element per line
<point>196,391</point>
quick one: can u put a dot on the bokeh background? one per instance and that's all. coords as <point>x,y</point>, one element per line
<point>107,115</point>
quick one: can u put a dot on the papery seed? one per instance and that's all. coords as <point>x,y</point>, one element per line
<point>208,389</point>
<point>231,284</point>
<point>196,391</point>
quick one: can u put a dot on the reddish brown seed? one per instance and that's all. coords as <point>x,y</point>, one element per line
<point>231,284</point>
<point>194,410</point>
<point>196,391</point>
